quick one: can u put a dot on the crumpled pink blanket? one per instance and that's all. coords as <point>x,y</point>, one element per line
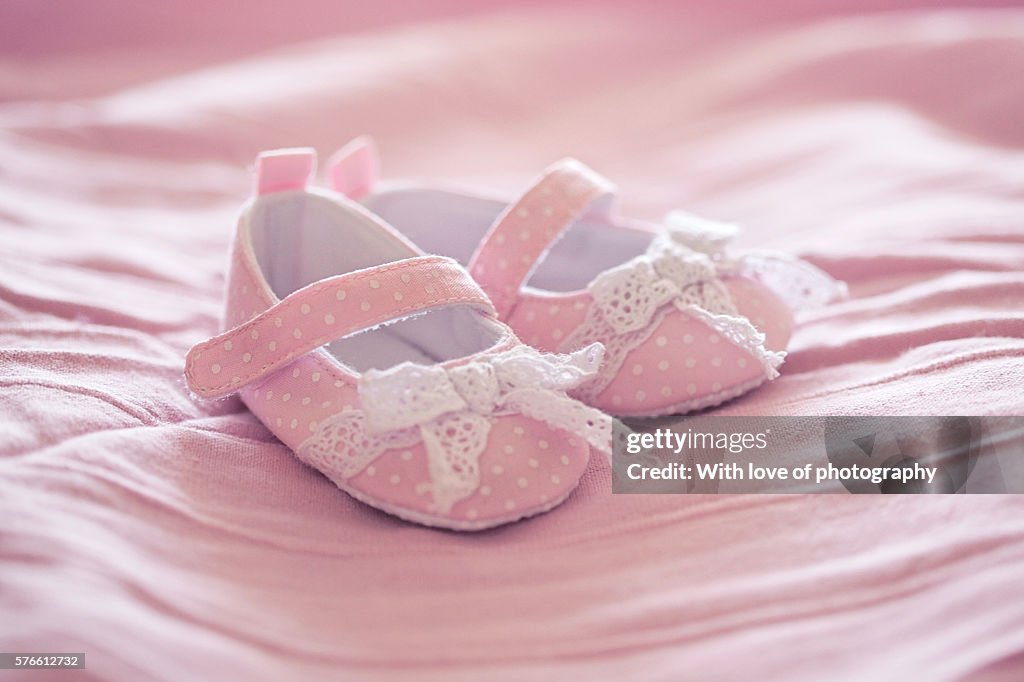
<point>175,539</point>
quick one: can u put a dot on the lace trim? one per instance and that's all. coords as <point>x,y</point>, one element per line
<point>801,285</point>
<point>449,411</point>
<point>342,446</point>
<point>682,267</point>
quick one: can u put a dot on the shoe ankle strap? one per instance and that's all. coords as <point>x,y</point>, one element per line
<point>323,312</point>
<point>526,229</point>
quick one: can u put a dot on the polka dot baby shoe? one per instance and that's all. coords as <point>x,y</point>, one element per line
<point>686,323</point>
<point>387,369</point>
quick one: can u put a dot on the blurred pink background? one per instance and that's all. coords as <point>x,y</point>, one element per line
<point>172,539</point>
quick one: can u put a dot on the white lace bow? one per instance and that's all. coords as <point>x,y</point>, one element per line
<point>681,266</point>
<point>449,410</point>
<point>681,269</point>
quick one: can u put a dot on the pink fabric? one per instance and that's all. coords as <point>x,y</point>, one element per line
<point>173,539</point>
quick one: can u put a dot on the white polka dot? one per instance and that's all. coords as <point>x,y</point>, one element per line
<point>297,333</point>
<point>279,421</point>
<point>518,430</point>
<point>557,334</point>
<point>555,479</point>
<point>509,449</point>
<point>531,316</point>
<point>247,357</point>
<point>296,372</point>
<point>228,345</point>
<point>663,365</point>
<point>579,305</point>
<point>305,309</point>
<point>364,306</point>
<point>254,335</point>
<point>338,383</point>
<point>328,319</point>
<point>286,397</point>
<point>374,284</point>
<point>525,259</point>
<point>716,386</point>
<point>316,377</point>
<point>661,341</point>
<point>429,289</point>
<point>716,361</point>
<point>564,460</point>
<point>543,444</point>
<point>325,404</point>
<point>340,294</point>
<point>548,211</point>
<point>691,362</point>
<point>485,490</point>
<point>312,427</point>
<point>688,338</point>
<point>406,455</point>
<point>524,235</point>
<point>638,369</point>
<point>398,296</point>
<point>278,322</point>
<point>553,310</point>
<point>406,278</point>
<point>307,401</point>
<point>295,422</point>
<point>215,368</point>
<point>500,239</point>
<point>522,212</point>
<point>742,362</point>
<point>497,470</point>
<point>371,470</point>
<point>471,514</point>
<point>691,388</point>
<point>522,482</point>
<point>713,338</point>
<point>270,394</point>
<point>395,479</point>
<point>616,400</point>
<point>666,391</point>
<point>533,463</point>
<point>502,263</point>
<point>236,379</point>
<point>640,395</point>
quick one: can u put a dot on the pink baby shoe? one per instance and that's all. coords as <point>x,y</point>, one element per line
<point>387,369</point>
<point>686,323</point>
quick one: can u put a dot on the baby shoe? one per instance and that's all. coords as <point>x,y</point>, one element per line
<point>686,323</point>
<point>387,369</point>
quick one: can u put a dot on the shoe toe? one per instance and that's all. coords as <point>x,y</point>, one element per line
<point>527,467</point>
<point>765,310</point>
<point>686,365</point>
